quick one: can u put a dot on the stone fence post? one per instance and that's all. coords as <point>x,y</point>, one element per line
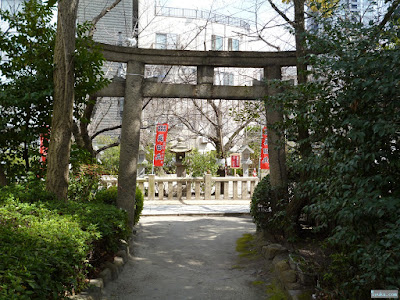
<point>152,189</point>
<point>207,184</point>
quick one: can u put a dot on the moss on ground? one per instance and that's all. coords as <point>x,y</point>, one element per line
<point>246,246</point>
<point>275,292</point>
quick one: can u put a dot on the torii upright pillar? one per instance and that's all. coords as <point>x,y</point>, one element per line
<point>130,136</point>
<point>276,139</point>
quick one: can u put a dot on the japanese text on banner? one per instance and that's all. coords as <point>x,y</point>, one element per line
<point>159,146</point>
<point>264,157</point>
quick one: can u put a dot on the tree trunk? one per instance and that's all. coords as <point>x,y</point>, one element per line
<point>294,208</point>
<point>3,177</point>
<point>61,124</point>
<point>305,147</point>
<point>81,132</point>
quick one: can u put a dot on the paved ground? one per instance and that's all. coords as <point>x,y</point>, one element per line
<point>195,207</point>
<point>188,257</point>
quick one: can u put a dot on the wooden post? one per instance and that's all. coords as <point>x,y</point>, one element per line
<point>130,135</point>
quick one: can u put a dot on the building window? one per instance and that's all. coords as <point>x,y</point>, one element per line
<point>233,45</point>
<point>228,79</point>
<point>217,43</point>
<point>166,41</point>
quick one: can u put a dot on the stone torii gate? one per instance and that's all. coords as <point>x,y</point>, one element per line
<point>136,87</point>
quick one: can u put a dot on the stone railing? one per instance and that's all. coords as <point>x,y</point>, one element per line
<point>193,188</point>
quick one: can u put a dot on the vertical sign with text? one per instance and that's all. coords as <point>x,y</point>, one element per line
<point>264,163</point>
<point>235,160</point>
<point>159,146</point>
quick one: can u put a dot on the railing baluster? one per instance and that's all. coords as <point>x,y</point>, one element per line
<point>161,190</point>
<point>179,187</point>
<point>152,189</point>
<point>226,190</point>
<point>244,190</point>
<point>217,190</point>
<point>188,189</point>
<point>170,190</point>
<point>235,190</point>
<point>197,189</point>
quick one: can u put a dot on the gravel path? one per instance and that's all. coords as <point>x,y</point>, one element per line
<point>187,257</point>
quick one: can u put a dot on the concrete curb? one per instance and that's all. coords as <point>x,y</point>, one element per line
<point>217,214</point>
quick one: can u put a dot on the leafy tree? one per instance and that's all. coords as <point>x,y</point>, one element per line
<point>198,164</point>
<point>26,94</point>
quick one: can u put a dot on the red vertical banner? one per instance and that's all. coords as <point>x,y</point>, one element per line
<point>159,146</point>
<point>42,148</point>
<point>264,159</point>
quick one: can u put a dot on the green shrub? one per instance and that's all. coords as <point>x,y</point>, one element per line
<point>47,246</point>
<point>139,201</point>
<point>260,203</point>
<point>84,182</point>
<point>109,196</point>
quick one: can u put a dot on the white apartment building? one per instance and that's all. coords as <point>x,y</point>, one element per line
<point>147,24</point>
<point>355,10</point>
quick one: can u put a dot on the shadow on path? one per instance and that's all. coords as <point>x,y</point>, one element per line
<point>182,257</point>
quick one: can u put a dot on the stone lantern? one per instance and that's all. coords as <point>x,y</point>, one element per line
<point>180,150</point>
<point>142,162</point>
<point>245,152</point>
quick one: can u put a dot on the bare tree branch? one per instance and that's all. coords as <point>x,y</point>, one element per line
<point>388,15</point>
<point>107,147</point>
<point>102,14</point>
<point>281,13</point>
<point>105,130</point>
<point>228,145</point>
<point>203,113</point>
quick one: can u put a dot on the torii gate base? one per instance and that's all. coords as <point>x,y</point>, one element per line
<point>136,87</point>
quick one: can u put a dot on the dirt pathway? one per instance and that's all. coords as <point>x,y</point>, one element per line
<point>188,258</point>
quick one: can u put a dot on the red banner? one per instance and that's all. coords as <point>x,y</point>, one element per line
<point>264,163</point>
<point>42,148</point>
<point>235,160</point>
<point>159,146</point>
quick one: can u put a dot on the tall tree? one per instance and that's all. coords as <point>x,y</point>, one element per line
<point>64,80</point>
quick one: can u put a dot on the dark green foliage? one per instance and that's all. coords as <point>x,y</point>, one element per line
<point>267,215</point>
<point>352,111</point>
<point>353,116</point>
<point>47,246</point>
<point>109,196</point>
<point>260,208</point>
